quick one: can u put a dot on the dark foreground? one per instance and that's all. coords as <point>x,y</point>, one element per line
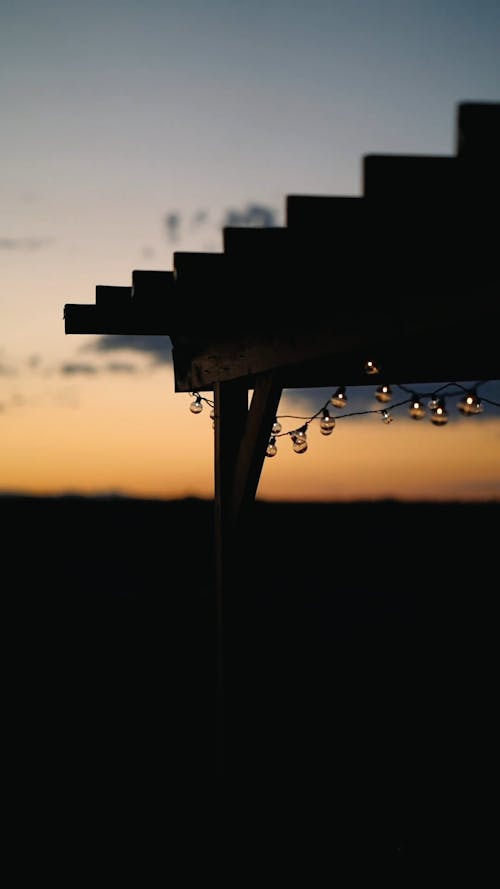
<point>361,689</point>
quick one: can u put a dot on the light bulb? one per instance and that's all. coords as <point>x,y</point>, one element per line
<point>387,416</point>
<point>371,367</point>
<point>327,423</point>
<point>439,415</point>
<point>416,409</point>
<point>276,428</point>
<point>339,398</point>
<point>383,394</point>
<point>271,449</point>
<point>196,406</point>
<point>470,405</point>
<point>299,439</point>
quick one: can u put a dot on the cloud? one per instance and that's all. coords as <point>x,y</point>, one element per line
<point>121,367</point>
<point>487,484</point>
<point>200,217</point>
<point>6,371</point>
<point>253,215</point>
<point>159,347</point>
<point>172,223</point>
<point>24,243</point>
<point>75,367</point>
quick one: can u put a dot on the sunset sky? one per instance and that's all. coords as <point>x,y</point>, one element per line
<point>135,128</point>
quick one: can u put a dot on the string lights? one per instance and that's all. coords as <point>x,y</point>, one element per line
<point>419,405</point>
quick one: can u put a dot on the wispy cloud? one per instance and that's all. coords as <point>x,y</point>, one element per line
<point>253,215</point>
<point>486,485</point>
<point>28,244</point>
<point>72,368</point>
<point>121,367</point>
<point>172,223</point>
<point>199,218</point>
<point>159,347</point>
<point>6,370</point>
<point>86,368</point>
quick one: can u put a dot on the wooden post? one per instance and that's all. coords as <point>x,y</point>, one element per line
<point>241,437</point>
<point>231,410</point>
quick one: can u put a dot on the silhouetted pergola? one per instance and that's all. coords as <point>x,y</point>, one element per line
<point>406,273</point>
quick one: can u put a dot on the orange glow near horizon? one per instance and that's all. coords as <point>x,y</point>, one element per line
<point>136,437</point>
<point>118,436</point>
<point>365,459</point>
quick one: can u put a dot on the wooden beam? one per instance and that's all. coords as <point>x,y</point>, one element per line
<point>255,245</point>
<point>152,288</point>
<point>478,133</point>
<point>252,451</point>
<point>407,179</point>
<point>112,298</point>
<point>310,214</point>
<point>93,319</point>
<point>458,341</point>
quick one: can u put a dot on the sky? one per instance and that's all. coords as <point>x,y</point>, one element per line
<point>131,130</point>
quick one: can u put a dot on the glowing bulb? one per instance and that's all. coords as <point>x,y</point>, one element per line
<point>383,394</point>
<point>276,428</point>
<point>439,415</point>
<point>371,367</point>
<point>470,405</point>
<point>339,398</point>
<point>327,423</point>
<point>416,409</point>
<point>271,449</point>
<point>196,406</point>
<point>387,416</point>
<point>299,439</point>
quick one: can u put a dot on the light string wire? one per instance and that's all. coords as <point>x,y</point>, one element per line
<point>472,403</point>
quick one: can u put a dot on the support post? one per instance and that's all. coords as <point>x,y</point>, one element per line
<point>231,410</point>
<point>241,437</point>
<point>252,452</point>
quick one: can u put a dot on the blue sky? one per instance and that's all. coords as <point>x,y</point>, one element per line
<point>116,115</point>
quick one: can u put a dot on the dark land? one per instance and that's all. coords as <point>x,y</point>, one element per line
<point>361,675</point>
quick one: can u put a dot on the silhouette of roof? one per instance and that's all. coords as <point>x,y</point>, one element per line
<point>407,271</point>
